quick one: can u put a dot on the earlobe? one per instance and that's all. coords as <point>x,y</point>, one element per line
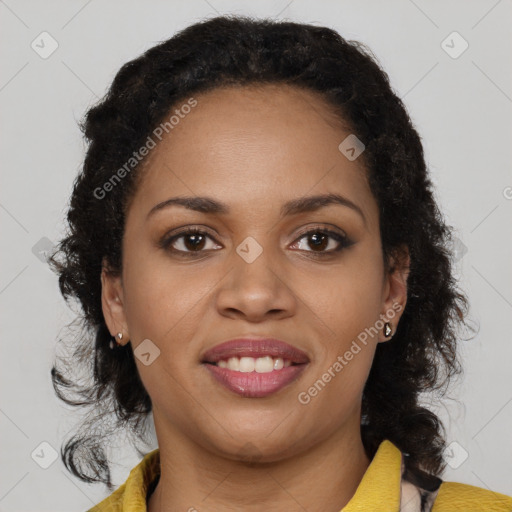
<point>394,303</point>
<point>112,301</point>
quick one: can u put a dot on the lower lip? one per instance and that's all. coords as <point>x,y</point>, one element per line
<point>254,384</point>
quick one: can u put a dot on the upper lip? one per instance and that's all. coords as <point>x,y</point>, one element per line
<point>254,347</point>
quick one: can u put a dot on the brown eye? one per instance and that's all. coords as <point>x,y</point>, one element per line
<point>319,241</point>
<point>323,241</point>
<point>189,241</point>
<point>193,241</point>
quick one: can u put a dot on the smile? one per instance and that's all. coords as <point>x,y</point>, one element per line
<point>254,379</point>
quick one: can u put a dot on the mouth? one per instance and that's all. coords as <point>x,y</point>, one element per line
<point>255,368</point>
<point>248,364</point>
<point>261,350</point>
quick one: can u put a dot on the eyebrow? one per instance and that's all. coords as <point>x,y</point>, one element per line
<point>295,206</point>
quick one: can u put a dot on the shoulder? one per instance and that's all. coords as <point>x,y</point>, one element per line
<point>113,503</point>
<point>454,496</point>
<point>131,496</point>
<point>423,492</point>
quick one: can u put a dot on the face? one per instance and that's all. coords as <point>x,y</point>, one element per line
<point>313,278</point>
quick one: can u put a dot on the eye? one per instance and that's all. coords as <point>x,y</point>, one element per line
<point>322,239</point>
<point>193,241</point>
<point>189,241</point>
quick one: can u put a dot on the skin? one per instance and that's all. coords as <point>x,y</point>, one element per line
<point>254,148</point>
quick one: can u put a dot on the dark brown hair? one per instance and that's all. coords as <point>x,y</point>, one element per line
<point>236,50</point>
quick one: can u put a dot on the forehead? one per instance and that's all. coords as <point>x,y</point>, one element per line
<point>253,145</point>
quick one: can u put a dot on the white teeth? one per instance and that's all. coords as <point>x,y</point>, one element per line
<point>278,363</point>
<point>246,364</point>
<point>234,363</point>
<point>264,364</point>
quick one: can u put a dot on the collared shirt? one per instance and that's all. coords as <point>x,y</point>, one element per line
<point>386,486</point>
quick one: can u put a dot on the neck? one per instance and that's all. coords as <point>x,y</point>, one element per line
<point>322,477</point>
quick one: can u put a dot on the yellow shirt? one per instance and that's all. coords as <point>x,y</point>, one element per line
<point>383,488</point>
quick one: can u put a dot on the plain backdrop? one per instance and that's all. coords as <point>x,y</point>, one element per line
<point>459,99</point>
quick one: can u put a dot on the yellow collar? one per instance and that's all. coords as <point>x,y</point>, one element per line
<point>380,484</point>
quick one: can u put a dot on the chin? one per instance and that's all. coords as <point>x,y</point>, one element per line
<point>258,448</point>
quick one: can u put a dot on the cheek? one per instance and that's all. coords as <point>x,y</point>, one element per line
<point>345,309</point>
<point>147,298</point>
<point>156,294</point>
<point>165,303</point>
<point>346,300</point>
<point>335,392</point>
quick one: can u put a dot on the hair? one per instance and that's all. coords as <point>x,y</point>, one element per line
<point>241,51</point>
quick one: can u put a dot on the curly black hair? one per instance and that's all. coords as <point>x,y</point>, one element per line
<point>238,51</point>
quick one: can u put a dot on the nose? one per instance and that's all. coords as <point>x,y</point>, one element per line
<point>256,290</point>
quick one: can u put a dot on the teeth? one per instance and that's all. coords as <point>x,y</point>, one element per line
<point>246,365</point>
<point>250,364</point>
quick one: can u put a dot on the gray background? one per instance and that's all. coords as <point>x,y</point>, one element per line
<point>461,107</point>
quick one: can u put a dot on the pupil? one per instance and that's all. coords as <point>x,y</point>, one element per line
<point>318,243</point>
<point>194,245</point>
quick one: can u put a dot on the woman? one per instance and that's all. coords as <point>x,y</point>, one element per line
<point>255,228</point>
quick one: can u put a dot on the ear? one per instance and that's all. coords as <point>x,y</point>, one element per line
<point>395,290</point>
<point>112,303</point>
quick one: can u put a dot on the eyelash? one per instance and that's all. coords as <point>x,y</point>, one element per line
<point>343,241</point>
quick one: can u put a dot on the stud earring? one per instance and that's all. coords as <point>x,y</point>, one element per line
<point>120,336</point>
<point>387,330</point>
